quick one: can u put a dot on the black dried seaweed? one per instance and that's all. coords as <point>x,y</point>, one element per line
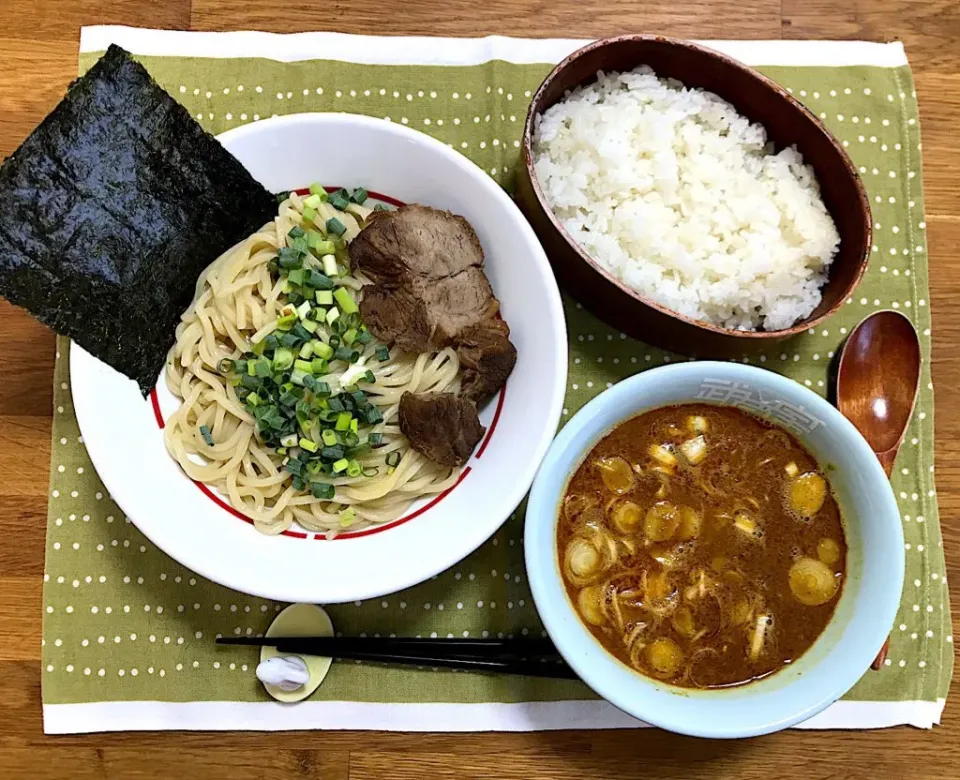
<point>110,210</point>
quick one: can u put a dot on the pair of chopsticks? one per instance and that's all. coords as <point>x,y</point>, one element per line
<point>530,657</point>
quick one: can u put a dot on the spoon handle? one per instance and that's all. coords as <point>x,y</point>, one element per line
<point>887,460</point>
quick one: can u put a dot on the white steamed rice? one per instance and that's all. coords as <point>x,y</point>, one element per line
<point>679,196</point>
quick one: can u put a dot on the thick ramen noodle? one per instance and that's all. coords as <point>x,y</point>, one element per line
<point>702,546</point>
<point>289,406</point>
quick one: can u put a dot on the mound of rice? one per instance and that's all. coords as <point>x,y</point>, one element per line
<point>682,198</point>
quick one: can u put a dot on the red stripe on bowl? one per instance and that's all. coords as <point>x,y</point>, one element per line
<point>213,496</point>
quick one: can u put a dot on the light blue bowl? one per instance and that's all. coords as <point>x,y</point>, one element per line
<point>869,600</point>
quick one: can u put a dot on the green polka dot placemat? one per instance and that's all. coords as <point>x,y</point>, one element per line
<point>128,633</point>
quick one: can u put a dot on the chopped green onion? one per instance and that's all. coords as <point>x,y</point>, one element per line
<point>393,459</point>
<point>364,336</point>
<point>290,440</point>
<point>383,353</point>
<point>375,439</point>
<point>286,322</point>
<point>305,351</point>
<point>338,199</point>
<point>226,366</point>
<point>350,336</point>
<point>312,201</point>
<point>330,264</point>
<point>288,258</point>
<point>380,207</point>
<point>295,232</point>
<point>332,314</point>
<point>318,366</point>
<point>346,354</point>
<point>297,377</point>
<point>309,214</point>
<point>354,469</point>
<point>322,389</point>
<point>297,277</point>
<point>325,248</point>
<point>293,466</point>
<point>335,405</point>
<point>345,300</point>
<point>333,452</point>
<point>358,196</point>
<point>207,436</point>
<point>371,471</point>
<point>282,196</point>
<point>354,425</point>
<point>303,365</point>
<point>282,359</point>
<point>317,280</point>
<point>368,377</point>
<point>324,297</point>
<point>317,189</point>
<point>298,483</point>
<point>329,437</point>
<point>372,415</point>
<point>343,421</point>
<point>340,465</point>
<point>303,309</point>
<point>309,446</point>
<point>300,332</point>
<point>322,490</point>
<point>263,368</point>
<point>322,350</point>
<point>347,516</point>
<point>310,325</point>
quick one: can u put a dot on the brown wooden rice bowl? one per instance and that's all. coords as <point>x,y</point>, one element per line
<point>756,97</point>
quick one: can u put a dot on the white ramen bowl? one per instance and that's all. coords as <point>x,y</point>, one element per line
<point>196,527</point>
<point>875,563</point>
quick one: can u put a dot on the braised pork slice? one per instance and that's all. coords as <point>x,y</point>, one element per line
<point>486,359</point>
<point>441,426</point>
<point>428,287</point>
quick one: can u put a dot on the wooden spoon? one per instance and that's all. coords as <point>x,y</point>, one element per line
<point>877,383</point>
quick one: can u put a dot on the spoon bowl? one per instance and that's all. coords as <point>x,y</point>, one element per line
<point>877,384</point>
<point>877,381</point>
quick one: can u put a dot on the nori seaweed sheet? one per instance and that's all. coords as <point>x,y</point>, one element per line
<point>110,210</point>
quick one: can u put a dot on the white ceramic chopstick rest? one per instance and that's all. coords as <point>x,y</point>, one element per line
<point>286,672</point>
<point>283,674</point>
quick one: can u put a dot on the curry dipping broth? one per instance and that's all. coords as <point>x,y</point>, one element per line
<point>702,546</point>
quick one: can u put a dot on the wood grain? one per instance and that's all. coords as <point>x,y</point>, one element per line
<point>38,60</point>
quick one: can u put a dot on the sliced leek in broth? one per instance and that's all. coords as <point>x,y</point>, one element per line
<point>702,546</point>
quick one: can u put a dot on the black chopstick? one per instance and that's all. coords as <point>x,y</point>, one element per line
<point>524,646</point>
<point>530,657</point>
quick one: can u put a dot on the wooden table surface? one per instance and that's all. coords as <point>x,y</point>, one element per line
<point>38,55</point>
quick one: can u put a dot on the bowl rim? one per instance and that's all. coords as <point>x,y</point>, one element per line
<point>543,576</point>
<point>756,336</point>
<point>87,390</point>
